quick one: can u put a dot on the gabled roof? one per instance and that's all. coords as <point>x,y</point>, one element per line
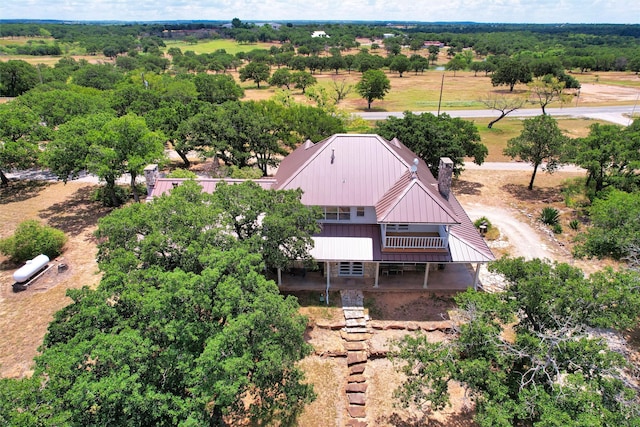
<point>366,170</point>
<point>409,201</point>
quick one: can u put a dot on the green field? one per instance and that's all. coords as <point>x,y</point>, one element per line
<point>208,46</point>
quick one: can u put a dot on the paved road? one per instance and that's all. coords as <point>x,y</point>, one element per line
<point>615,114</point>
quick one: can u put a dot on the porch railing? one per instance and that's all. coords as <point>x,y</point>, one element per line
<point>414,242</point>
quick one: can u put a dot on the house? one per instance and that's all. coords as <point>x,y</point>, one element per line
<point>384,214</point>
<point>316,34</point>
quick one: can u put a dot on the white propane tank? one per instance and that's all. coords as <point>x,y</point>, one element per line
<point>29,270</point>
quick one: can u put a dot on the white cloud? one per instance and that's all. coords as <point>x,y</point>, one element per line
<point>520,11</point>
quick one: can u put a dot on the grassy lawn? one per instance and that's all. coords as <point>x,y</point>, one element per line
<point>496,138</point>
<point>209,46</point>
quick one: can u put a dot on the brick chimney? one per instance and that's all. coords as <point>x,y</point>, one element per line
<point>151,174</point>
<point>445,174</point>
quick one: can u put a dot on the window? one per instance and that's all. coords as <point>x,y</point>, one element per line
<point>397,227</point>
<point>360,211</point>
<point>337,213</point>
<point>351,269</point>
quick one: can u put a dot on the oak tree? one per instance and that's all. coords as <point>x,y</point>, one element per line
<point>541,140</point>
<point>374,84</point>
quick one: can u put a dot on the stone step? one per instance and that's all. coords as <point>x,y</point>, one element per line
<point>355,346</point>
<point>356,379</point>
<point>351,337</point>
<point>357,423</point>
<point>354,357</point>
<point>361,321</point>
<point>356,388</point>
<point>350,313</point>
<point>357,368</point>
<point>357,411</point>
<point>357,399</point>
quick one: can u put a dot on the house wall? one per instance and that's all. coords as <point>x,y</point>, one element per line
<point>369,270</point>
<point>368,218</point>
<point>420,228</point>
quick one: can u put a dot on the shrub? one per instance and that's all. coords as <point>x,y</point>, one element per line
<point>557,228</point>
<point>483,220</point>
<point>491,233</point>
<point>574,224</point>
<point>182,173</point>
<point>32,239</point>
<point>549,216</point>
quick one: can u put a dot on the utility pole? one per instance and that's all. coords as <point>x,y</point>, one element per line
<point>440,100</point>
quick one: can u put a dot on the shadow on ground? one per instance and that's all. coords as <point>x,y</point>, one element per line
<point>21,190</point>
<point>76,214</point>
<point>543,195</point>
<point>467,187</point>
<point>463,419</point>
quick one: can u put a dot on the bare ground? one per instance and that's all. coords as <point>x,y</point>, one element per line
<point>501,196</point>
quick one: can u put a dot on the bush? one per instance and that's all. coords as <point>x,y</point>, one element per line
<point>549,216</point>
<point>483,220</point>
<point>491,233</point>
<point>122,194</point>
<point>32,239</point>
<point>557,228</point>
<point>574,224</point>
<point>182,173</point>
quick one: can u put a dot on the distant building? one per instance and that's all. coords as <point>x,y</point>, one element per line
<point>429,43</point>
<point>319,34</point>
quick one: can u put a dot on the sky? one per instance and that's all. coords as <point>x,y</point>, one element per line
<point>486,11</point>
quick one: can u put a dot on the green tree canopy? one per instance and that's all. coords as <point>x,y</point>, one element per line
<point>125,145</point>
<point>183,329</point>
<point>509,72</point>
<point>541,140</point>
<point>550,367</point>
<point>17,77</point>
<point>400,64</point>
<point>610,154</point>
<point>19,129</point>
<point>432,137</point>
<point>255,71</point>
<point>374,84</point>
<point>615,226</point>
<point>217,88</point>
<point>57,106</point>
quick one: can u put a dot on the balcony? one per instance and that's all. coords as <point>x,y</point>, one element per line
<point>414,242</point>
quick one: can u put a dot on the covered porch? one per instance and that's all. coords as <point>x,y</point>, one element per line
<point>454,277</point>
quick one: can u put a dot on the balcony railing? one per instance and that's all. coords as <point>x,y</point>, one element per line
<point>414,242</point>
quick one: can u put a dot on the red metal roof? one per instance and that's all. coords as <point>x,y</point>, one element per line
<point>409,201</point>
<point>366,170</point>
<point>165,185</point>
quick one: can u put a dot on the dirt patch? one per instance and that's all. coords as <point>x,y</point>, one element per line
<point>25,316</point>
<point>408,306</point>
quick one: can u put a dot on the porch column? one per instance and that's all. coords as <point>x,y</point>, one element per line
<point>477,277</point>
<point>279,276</point>
<point>328,270</point>
<point>426,275</point>
<point>375,284</point>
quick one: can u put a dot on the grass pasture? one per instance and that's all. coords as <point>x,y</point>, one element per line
<point>209,46</point>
